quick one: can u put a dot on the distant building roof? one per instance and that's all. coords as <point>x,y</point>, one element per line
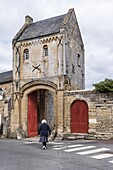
<point>42,28</point>
<point>6,77</point>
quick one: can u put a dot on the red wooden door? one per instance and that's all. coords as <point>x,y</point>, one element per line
<point>79,117</point>
<point>32,114</point>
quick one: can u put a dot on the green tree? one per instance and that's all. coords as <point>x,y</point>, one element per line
<point>105,86</point>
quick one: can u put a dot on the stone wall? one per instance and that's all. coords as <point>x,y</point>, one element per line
<point>7,92</point>
<point>38,66</point>
<point>100,112</point>
<point>74,53</point>
<point>5,107</point>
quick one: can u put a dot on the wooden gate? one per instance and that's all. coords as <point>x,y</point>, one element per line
<point>79,117</point>
<point>32,115</point>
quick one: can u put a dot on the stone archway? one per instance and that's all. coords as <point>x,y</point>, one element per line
<point>32,114</point>
<point>42,104</point>
<point>79,117</point>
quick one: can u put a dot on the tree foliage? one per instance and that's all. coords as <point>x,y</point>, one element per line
<point>105,86</point>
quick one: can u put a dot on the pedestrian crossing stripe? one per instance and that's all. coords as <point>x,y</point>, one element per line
<point>64,147</point>
<point>56,143</point>
<point>102,156</point>
<point>81,148</point>
<point>111,161</point>
<point>31,142</point>
<point>92,151</point>
<point>58,146</point>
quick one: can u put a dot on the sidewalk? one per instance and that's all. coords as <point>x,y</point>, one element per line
<point>32,139</point>
<point>36,140</point>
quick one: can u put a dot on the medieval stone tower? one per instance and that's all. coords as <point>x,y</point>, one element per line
<point>48,58</point>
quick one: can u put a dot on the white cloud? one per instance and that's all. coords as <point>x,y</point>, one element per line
<point>95,21</point>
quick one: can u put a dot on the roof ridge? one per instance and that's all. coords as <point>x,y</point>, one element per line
<point>43,28</point>
<point>48,19</point>
<point>6,71</point>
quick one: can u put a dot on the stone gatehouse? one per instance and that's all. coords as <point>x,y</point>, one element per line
<point>47,81</point>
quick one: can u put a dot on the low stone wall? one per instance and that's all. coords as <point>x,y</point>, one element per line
<point>100,112</point>
<point>5,109</point>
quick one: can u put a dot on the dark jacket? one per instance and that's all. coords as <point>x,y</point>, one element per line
<point>44,130</point>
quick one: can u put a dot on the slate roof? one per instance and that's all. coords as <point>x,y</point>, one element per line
<point>43,28</point>
<point>6,77</point>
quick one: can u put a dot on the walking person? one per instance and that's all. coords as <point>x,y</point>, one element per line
<point>44,131</point>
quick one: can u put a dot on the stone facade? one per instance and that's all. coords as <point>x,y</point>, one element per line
<point>46,62</point>
<point>5,108</point>
<point>100,112</point>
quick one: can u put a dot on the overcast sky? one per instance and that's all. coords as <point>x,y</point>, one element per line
<point>95,18</point>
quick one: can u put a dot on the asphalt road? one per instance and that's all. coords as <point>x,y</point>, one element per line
<point>62,155</point>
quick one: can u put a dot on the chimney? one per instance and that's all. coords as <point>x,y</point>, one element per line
<point>28,20</point>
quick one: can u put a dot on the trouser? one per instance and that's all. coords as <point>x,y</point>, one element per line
<point>44,144</point>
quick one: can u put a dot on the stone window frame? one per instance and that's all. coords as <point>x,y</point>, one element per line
<point>45,50</point>
<point>26,54</point>
<point>1,94</point>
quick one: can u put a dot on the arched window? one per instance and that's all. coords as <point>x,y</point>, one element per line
<point>1,94</point>
<point>26,54</point>
<point>45,50</point>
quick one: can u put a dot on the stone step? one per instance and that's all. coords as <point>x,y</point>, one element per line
<point>75,136</point>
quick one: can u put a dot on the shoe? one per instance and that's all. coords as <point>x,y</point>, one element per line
<point>43,148</point>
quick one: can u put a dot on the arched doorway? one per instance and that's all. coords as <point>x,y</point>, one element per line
<point>40,106</point>
<point>32,114</point>
<point>79,117</point>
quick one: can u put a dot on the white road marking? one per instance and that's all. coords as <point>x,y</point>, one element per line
<point>31,142</point>
<point>64,147</point>
<point>81,148</point>
<point>58,146</point>
<point>102,156</point>
<point>92,151</point>
<point>56,143</point>
<point>72,146</point>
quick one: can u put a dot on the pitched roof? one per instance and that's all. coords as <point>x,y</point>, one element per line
<point>6,77</point>
<point>43,28</point>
